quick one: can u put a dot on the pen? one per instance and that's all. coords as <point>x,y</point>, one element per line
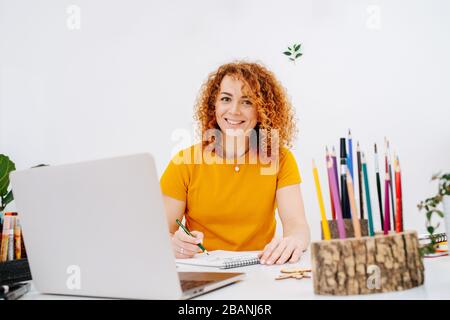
<point>187,232</point>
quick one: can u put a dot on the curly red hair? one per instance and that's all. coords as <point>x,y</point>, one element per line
<point>267,94</point>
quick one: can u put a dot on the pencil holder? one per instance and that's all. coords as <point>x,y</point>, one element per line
<point>381,263</point>
<point>349,231</point>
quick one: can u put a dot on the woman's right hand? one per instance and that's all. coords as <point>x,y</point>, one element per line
<point>184,246</point>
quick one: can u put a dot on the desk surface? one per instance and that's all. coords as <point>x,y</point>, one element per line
<point>260,283</point>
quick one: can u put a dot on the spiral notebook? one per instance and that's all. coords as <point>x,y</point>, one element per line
<point>439,237</point>
<point>222,259</point>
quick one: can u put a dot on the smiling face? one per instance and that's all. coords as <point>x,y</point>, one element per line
<point>235,113</point>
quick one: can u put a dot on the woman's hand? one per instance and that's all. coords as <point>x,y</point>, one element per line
<point>279,251</point>
<point>296,236</point>
<point>184,246</point>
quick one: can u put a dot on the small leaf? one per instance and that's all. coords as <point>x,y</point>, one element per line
<point>287,53</point>
<point>289,48</point>
<point>298,55</point>
<point>6,166</point>
<point>438,212</point>
<point>430,229</point>
<point>292,59</point>
<point>9,197</point>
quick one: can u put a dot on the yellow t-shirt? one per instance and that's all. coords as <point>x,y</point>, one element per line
<point>234,209</point>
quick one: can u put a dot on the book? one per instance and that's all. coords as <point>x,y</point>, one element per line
<point>222,259</point>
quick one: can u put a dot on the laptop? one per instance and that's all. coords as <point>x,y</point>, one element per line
<point>99,229</point>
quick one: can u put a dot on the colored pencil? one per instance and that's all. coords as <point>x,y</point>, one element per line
<point>333,211</point>
<point>335,168</point>
<point>350,153</point>
<point>344,195</point>
<point>351,195</point>
<point>325,227</point>
<point>360,181</point>
<point>391,189</point>
<point>367,189</point>
<point>386,169</point>
<point>398,193</point>
<point>337,204</point>
<point>387,220</point>
<point>380,201</point>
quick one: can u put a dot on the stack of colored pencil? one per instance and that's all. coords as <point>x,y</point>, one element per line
<point>344,197</point>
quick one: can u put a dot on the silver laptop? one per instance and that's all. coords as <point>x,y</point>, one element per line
<point>99,229</point>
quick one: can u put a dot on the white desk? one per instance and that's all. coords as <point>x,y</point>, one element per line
<point>260,283</point>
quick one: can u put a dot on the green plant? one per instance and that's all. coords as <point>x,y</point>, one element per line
<point>6,166</point>
<point>431,206</point>
<point>293,52</point>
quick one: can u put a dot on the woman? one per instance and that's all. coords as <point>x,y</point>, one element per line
<point>227,197</point>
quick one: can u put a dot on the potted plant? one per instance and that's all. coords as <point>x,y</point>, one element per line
<point>6,196</point>
<point>432,206</point>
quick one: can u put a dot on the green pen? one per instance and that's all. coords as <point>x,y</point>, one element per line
<point>187,232</point>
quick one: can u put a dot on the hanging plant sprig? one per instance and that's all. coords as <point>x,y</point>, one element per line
<point>293,52</point>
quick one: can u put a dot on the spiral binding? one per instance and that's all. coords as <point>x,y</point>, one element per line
<point>239,262</point>
<point>440,237</point>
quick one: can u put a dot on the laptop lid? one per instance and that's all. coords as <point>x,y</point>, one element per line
<point>97,228</point>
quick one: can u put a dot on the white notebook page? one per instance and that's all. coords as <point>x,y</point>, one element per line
<point>221,258</point>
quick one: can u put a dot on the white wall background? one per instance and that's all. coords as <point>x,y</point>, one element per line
<point>127,79</point>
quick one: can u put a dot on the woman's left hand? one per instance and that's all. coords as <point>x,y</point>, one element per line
<point>279,251</point>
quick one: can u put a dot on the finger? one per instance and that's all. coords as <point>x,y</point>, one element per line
<point>269,249</point>
<point>286,254</point>
<point>188,247</point>
<point>183,236</point>
<point>183,252</point>
<point>296,255</point>
<point>277,252</point>
<point>261,253</point>
<point>178,252</point>
<point>179,255</point>
<point>182,255</point>
<point>188,254</point>
<point>198,235</point>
